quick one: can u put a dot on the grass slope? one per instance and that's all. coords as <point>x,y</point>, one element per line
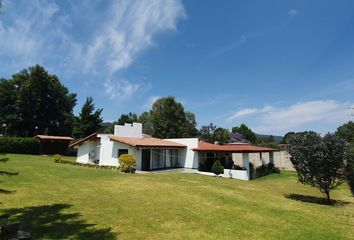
<point>60,201</point>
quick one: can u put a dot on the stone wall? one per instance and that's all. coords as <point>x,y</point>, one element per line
<point>281,159</point>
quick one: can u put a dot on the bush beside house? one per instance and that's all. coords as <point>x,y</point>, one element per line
<point>127,163</point>
<point>19,145</point>
<point>217,168</point>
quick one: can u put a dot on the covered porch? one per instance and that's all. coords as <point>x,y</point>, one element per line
<point>234,168</point>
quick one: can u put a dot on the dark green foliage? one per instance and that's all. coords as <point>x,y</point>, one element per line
<point>287,136</point>
<point>221,135</point>
<point>169,120</point>
<point>350,171</point>
<point>246,132</point>
<point>19,145</point>
<point>346,131</point>
<point>127,118</point>
<point>145,119</point>
<point>319,162</point>
<point>267,169</point>
<point>89,120</point>
<point>34,98</point>
<point>217,168</point>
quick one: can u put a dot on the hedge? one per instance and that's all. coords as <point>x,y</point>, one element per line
<point>19,145</point>
<point>102,167</point>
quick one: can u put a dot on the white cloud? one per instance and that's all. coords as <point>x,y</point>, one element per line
<point>129,28</point>
<point>297,117</point>
<point>293,12</point>
<point>103,44</point>
<point>241,113</point>
<point>120,90</point>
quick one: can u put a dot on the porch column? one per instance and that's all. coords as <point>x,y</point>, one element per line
<point>246,164</point>
<point>271,157</point>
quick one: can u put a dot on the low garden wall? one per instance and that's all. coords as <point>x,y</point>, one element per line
<point>237,174</point>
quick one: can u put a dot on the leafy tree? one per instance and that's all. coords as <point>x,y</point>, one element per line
<point>127,118</point>
<point>169,120</point>
<point>89,119</point>
<point>190,125</point>
<point>346,131</point>
<point>8,109</point>
<point>237,137</point>
<point>246,132</point>
<point>319,162</point>
<point>145,119</point>
<point>222,135</point>
<point>43,104</point>
<point>287,136</point>
<point>206,133</point>
<point>217,168</point>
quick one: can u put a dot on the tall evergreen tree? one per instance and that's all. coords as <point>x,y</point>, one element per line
<point>169,120</point>
<point>89,119</point>
<point>145,120</point>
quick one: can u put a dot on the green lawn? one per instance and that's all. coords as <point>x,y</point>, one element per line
<point>60,201</point>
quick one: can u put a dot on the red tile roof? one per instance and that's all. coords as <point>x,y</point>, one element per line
<point>146,142</point>
<point>93,136</point>
<point>204,146</point>
<point>58,138</point>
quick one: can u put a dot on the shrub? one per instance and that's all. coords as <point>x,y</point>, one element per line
<point>217,168</point>
<point>266,170</point>
<point>19,145</point>
<point>86,165</point>
<point>57,158</point>
<point>127,163</point>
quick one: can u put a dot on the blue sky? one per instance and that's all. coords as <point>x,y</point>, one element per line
<point>277,66</point>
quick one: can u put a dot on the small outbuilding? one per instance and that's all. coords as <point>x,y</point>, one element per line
<point>53,144</point>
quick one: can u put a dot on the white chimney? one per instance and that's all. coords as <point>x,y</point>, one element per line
<point>129,130</point>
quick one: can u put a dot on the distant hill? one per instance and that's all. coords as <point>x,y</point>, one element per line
<point>277,139</point>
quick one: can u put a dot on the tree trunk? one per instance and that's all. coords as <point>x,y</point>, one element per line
<point>328,198</point>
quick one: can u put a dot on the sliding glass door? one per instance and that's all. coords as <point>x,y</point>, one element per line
<point>164,158</point>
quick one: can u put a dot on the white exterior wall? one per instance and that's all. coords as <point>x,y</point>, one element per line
<point>84,150</point>
<point>129,130</point>
<point>109,153</point>
<point>188,158</point>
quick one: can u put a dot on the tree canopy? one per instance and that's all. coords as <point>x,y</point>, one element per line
<point>246,132</point>
<point>89,119</point>
<point>222,135</point>
<point>127,118</point>
<point>319,162</point>
<point>346,131</point>
<point>206,133</point>
<point>169,120</point>
<point>34,101</point>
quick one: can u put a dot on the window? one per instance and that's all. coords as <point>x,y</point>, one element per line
<point>122,151</point>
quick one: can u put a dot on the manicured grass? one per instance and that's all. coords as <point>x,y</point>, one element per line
<point>61,201</point>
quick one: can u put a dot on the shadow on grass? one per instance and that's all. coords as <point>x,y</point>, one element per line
<point>5,159</point>
<point>6,173</point>
<point>315,200</point>
<point>51,222</point>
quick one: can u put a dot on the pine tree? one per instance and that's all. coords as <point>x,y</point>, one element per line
<point>89,120</point>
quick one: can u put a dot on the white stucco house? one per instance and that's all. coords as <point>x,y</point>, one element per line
<point>154,153</point>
